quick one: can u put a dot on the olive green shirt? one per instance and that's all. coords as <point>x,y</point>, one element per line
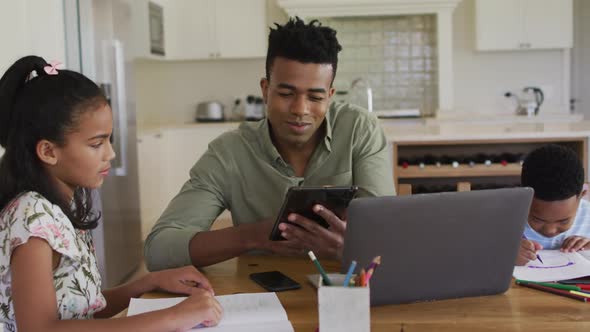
<point>243,172</point>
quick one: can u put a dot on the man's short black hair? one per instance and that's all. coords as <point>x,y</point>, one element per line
<point>306,43</point>
<point>554,171</point>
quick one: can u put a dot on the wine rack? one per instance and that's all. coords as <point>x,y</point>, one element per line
<point>436,166</point>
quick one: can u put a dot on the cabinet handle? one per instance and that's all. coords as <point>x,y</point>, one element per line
<point>524,45</point>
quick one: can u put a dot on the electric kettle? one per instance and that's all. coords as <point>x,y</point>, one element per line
<point>529,102</point>
<point>539,97</point>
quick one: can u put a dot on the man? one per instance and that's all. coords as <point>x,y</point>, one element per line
<point>305,141</point>
<point>559,217</point>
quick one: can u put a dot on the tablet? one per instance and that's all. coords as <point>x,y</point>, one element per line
<point>301,200</point>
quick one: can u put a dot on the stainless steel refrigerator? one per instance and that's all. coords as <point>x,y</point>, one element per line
<point>98,34</point>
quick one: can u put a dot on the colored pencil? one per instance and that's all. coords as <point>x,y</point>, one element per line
<point>580,293</point>
<point>317,264</point>
<point>376,262</point>
<point>552,285</point>
<point>555,291</point>
<point>363,278</point>
<point>349,274</point>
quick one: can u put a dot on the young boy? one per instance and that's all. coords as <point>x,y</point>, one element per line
<point>559,218</point>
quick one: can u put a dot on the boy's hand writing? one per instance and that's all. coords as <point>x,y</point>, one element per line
<point>527,252</point>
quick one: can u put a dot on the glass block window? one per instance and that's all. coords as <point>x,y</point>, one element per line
<point>395,55</point>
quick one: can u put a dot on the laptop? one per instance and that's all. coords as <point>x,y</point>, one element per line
<point>437,246</point>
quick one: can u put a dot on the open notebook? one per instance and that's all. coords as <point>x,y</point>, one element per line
<point>556,266</point>
<point>256,312</point>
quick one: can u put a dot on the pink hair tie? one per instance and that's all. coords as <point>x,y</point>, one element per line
<point>51,68</point>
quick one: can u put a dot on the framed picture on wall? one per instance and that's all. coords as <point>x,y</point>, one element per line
<point>156,16</point>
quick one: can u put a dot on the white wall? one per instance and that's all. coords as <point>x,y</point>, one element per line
<point>481,78</point>
<point>581,57</point>
<point>31,27</point>
<point>168,92</point>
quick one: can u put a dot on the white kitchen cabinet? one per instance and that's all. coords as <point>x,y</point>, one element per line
<point>31,27</point>
<point>211,29</point>
<point>165,159</point>
<point>189,29</point>
<point>549,23</point>
<point>241,28</point>
<point>150,167</point>
<point>207,29</point>
<point>523,24</point>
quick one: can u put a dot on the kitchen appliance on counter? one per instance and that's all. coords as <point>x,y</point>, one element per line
<point>254,108</point>
<point>248,108</point>
<point>361,94</point>
<point>529,103</point>
<point>210,111</point>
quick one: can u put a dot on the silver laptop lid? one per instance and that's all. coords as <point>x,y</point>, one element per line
<point>438,246</point>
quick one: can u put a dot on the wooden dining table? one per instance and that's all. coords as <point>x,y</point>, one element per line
<point>519,309</point>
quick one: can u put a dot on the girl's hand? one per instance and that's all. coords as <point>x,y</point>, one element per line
<point>200,308</point>
<point>185,280</point>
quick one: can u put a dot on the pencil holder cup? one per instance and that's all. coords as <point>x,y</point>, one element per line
<point>343,309</point>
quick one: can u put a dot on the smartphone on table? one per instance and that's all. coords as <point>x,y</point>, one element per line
<point>274,281</point>
<point>301,200</point>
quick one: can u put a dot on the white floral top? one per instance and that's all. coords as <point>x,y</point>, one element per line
<point>76,279</point>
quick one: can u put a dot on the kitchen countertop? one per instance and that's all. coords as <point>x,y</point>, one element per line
<point>470,131</point>
<point>154,128</point>
<point>471,117</point>
<point>420,129</point>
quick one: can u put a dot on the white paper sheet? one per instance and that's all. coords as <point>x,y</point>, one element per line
<point>556,266</point>
<point>241,312</point>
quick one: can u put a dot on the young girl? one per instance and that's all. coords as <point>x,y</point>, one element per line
<point>56,126</point>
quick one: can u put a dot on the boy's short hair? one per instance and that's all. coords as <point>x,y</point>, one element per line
<point>554,171</point>
<point>306,43</point>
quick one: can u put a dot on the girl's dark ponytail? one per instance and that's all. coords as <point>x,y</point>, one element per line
<point>11,84</point>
